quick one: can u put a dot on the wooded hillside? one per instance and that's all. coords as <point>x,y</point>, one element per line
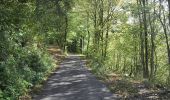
<point>128,37</point>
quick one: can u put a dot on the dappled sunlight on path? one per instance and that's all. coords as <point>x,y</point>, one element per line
<point>74,82</point>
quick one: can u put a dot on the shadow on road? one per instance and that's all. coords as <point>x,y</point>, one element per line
<point>74,82</point>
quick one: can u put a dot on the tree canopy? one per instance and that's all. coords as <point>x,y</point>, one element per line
<point>124,36</point>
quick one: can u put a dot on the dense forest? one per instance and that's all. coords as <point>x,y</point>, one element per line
<point>128,37</point>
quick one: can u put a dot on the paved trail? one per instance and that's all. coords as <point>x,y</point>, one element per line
<point>74,82</point>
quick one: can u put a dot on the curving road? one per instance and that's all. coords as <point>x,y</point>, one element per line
<point>74,82</point>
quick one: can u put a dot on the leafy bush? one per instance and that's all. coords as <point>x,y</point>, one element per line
<point>21,70</point>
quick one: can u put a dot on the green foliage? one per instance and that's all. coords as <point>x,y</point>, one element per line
<point>25,27</point>
<point>107,31</point>
<point>12,84</point>
<point>126,37</point>
<point>20,72</point>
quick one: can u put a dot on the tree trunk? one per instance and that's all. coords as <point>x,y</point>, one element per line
<point>88,34</point>
<point>146,72</point>
<point>169,10</point>
<point>101,33</point>
<point>106,42</point>
<point>152,58</point>
<point>65,32</point>
<point>107,30</point>
<point>163,23</point>
<point>139,3</point>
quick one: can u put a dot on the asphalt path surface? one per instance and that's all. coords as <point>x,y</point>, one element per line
<point>74,82</point>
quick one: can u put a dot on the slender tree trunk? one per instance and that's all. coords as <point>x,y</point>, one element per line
<point>118,61</point>
<point>152,29</point>
<point>152,54</point>
<point>156,62</point>
<point>101,13</point>
<point>65,32</point>
<point>81,44</point>
<point>88,42</point>
<point>146,73</point>
<point>139,3</point>
<point>163,23</point>
<point>167,42</point>
<point>95,41</point>
<point>106,42</point>
<point>88,34</point>
<point>107,30</point>
<point>169,10</point>
<point>131,68</point>
<point>124,65</point>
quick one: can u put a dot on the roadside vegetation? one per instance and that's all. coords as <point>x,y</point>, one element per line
<point>129,38</point>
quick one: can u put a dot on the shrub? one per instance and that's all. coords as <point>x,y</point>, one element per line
<point>21,70</point>
<point>12,84</point>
